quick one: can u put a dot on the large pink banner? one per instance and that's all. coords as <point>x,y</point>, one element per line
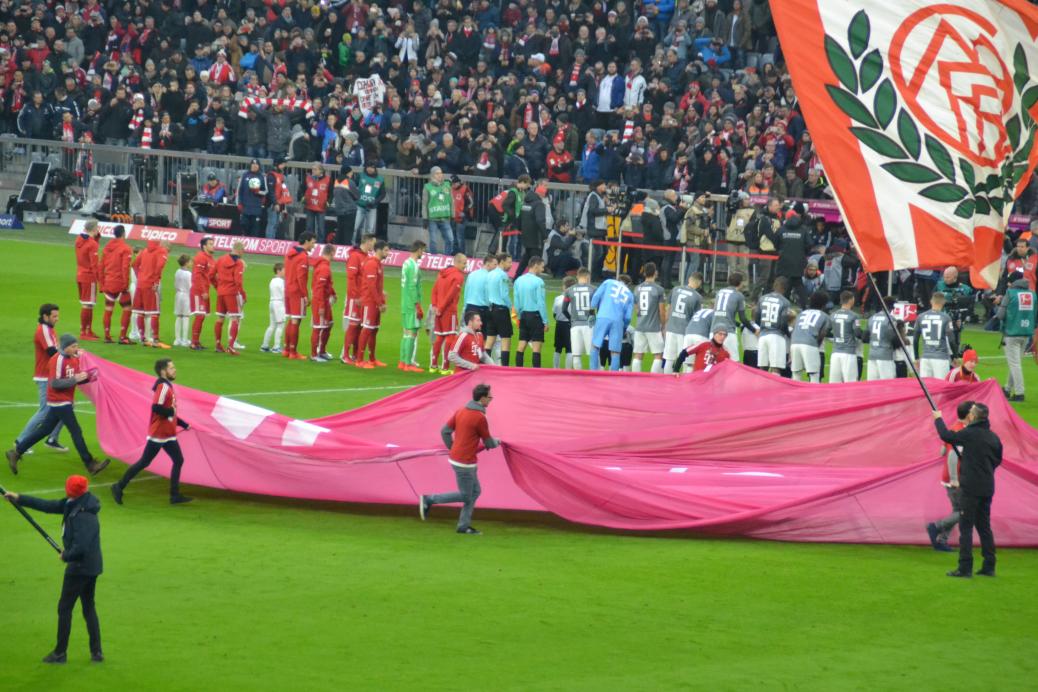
<point>735,451</point>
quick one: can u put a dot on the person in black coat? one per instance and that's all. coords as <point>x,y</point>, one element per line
<point>980,454</point>
<point>81,538</point>
<point>793,241</point>
<point>533,224</point>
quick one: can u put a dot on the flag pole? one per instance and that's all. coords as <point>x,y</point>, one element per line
<point>53,543</point>
<point>901,341</point>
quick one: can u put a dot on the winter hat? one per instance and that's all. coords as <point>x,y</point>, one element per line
<point>395,118</point>
<point>76,486</point>
<point>67,340</point>
<point>970,356</point>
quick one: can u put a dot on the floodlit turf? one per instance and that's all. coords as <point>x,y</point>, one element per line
<point>245,592</point>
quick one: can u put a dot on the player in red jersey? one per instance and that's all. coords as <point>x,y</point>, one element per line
<point>88,273</point>
<point>372,305</point>
<point>467,352</point>
<point>708,354</point>
<point>45,345</point>
<point>149,265</point>
<point>324,299</point>
<point>351,316</point>
<point>115,282</point>
<point>162,435</point>
<point>444,310</point>
<point>203,277</point>
<point>967,372</point>
<point>63,375</point>
<point>297,274</point>
<point>229,273</point>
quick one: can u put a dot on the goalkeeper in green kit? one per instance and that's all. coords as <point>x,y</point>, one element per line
<point>411,308</point>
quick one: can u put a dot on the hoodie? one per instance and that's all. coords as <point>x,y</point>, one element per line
<point>81,531</point>
<point>447,289</point>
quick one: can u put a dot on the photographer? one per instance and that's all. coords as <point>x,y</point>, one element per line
<point>593,222</point>
<point>559,250</point>
<point>765,220</point>
<point>960,299</point>
<point>695,230</point>
<point>670,215</point>
<point>739,214</point>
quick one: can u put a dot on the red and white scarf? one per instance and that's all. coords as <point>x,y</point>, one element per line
<point>574,76</point>
<point>146,137</point>
<point>287,104</point>
<point>138,119</point>
<point>221,73</point>
<point>218,135</point>
<point>68,132</point>
<point>528,115</point>
<point>554,48</point>
<point>628,130</point>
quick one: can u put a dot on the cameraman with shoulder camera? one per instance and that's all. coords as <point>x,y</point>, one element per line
<point>695,230</point>
<point>763,222</point>
<point>739,214</point>
<point>960,300</point>
<point>593,222</point>
<point>670,216</point>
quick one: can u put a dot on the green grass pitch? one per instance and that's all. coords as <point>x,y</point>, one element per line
<point>253,593</point>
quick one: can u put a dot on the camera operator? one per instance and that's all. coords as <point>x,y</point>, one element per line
<point>793,240</point>
<point>960,300</point>
<point>764,221</point>
<point>695,230</point>
<point>670,215</point>
<point>739,214</point>
<point>559,250</point>
<point>593,222</point>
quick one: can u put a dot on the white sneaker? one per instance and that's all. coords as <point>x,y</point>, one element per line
<point>239,347</point>
<point>275,350</point>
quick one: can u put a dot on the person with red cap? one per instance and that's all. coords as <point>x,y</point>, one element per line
<point>81,539</point>
<point>967,372</point>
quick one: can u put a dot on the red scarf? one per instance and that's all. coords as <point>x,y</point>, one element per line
<point>554,49</point>
<point>217,134</point>
<point>574,76</point>
<point>68,132</point>
<point>630,80</point>
<point>484,161</point>
<point>146,137</point>
<point>528,116</point>
<point>138,119</point>
<point>628,130</point>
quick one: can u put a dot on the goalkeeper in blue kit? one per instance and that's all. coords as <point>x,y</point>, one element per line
<point>612,305</point>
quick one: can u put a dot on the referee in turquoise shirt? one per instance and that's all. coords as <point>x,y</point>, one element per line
<point>532,307</point>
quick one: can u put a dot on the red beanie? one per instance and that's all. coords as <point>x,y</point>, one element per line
<point>76,486</point>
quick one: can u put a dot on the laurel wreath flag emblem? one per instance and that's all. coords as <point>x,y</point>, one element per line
<point>888,127</point>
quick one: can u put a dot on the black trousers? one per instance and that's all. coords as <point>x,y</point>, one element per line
<point>975,513</point>
<point>250,225</point>
<point>528,254</point>
<point>77,587</point>
<point>66,415</point>
<point>151,450</point>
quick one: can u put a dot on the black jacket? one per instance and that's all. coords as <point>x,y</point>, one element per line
<point>792,241</point>
<point>981,455</point>
<point>81,534</point>
<point>533,221</point>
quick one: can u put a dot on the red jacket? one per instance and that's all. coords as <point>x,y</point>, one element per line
<point>707,354</point>
<point>163,424</point>
<point>317,190</point>
<point>371,292</point>
<point>470,429</point>
<point>229,274</point>
<point>149,265</point>
<point>61,367</point>
<point>88,268</point>
<point>203,273</point>
<point>297,272</point>
<point>560,166</point>
<point>45,344</point>
<point>1028,266</point>
<point>447,289</point>
<point>115,266</point>
<point>324,287</point>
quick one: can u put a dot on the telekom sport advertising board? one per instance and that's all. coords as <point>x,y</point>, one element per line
<point>255,246</point>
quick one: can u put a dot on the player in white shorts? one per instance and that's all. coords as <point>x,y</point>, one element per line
<point>276,326</point>
<point>772,314</point>
<point>576,304</point>
<point>651,306</point>
<point>846,335</point>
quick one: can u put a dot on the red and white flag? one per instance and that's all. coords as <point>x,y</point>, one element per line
<point>924,115</point>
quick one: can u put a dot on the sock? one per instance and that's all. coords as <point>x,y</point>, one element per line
<point>536,359</point>
<point>575,363</point>
<point>614,362</point>
<point>154,327</point>
<point>85,315</point>
<point>124,324</point>
<point>326,333</point>
<point>218,331</point>
<point>140,326</point>
<point>315,342</point>
<point>436,361</point>
<point>362,343</point>
<point>292,337</point>
<point>797,375</point>
<point>556,360</point>
<point>232,337</point>
<point>504,358</point>
<point>196,328</point>
<point>107,319</point>
<point>279,332</point>
<point>267,336</point>
<point>636,364</point>
<point>372,338</point>
<point>657,365</point>
<point>596,358</point>
<point>406,348</point>
<point>520,358</point>
<point>352,344</point>
<point>668,367</point>
<point>815,377</point>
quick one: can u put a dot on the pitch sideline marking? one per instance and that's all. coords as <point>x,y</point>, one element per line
<point>47,491</point>
<point>321,391</point>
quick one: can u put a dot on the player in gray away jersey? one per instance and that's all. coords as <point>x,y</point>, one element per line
<point>576,304</point>
<point>651,304</point>
<point>809,334</point>
<point>934,329</point>
<point>685,301</point>
<point>883,340</point>
<point>843,366</point>
<point>729,306</point>
<point>773,316</point>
